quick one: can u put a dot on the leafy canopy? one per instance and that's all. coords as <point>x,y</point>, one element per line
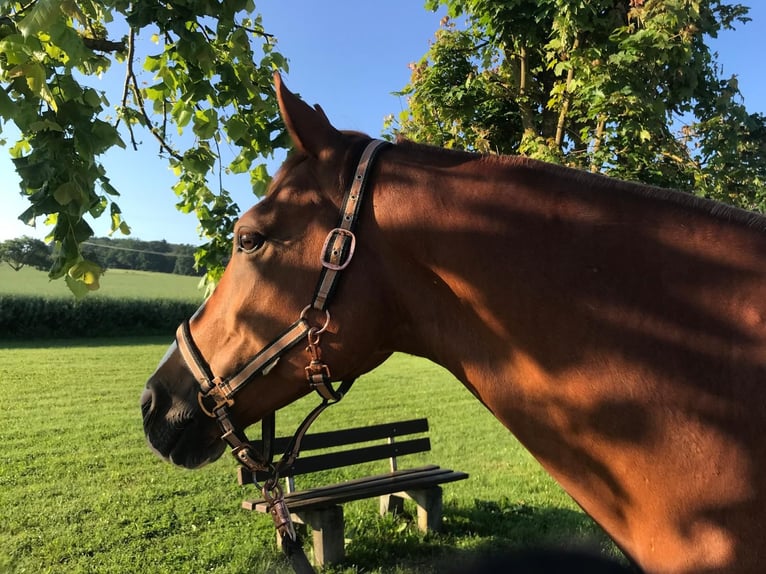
<point>211,64</point>
<point>628,88</point>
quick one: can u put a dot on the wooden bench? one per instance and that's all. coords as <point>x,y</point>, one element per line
<point>320,508</point>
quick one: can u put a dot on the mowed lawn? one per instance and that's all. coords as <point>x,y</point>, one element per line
<point>80,492</point>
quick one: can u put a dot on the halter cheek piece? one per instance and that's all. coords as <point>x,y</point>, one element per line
<point>216,394</point>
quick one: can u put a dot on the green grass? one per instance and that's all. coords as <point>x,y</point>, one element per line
<point>81,493</point>
<point>120,283</point>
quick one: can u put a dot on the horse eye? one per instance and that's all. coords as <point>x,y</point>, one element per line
<point>249,241</point>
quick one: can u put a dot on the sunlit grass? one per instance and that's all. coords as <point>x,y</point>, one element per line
<point>81,493</point>
<point>121,283</point>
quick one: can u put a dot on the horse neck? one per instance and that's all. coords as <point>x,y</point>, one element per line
<point>601,322</point>
<point>505,260</point>
<point>465,229</point>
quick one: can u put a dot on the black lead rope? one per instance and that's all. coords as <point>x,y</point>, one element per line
<point>291,544</point>
<point>293,550</point>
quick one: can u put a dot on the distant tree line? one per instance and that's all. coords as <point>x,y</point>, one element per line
<point>158,256</point>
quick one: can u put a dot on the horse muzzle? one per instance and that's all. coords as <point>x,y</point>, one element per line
<point>175,426</point>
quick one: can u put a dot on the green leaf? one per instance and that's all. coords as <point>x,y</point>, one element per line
<point>236,128</point>
<point>98,208</point>
<point>78,288</point>
<point>83,276</point>
<point>205,123</point>
<point>44,125</point>
<point>260,179</point>
<point>67,192</point>
<point>204,71</point>
<point>17,50</point>
<point>7,106</point>
<point>66,44</point>
<point>104,136</point>
<point>34,75</point>
<point>40,17</point>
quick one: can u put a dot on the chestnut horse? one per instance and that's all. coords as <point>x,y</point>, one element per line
<point>617,330</point>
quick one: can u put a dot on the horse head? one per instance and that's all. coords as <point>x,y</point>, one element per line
<point>270,284</point>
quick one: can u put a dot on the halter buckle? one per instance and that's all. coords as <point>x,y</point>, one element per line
<point>213,400</point>
<point>317,372</point>
<point>334,249</point>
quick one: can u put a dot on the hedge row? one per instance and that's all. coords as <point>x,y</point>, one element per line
<point>34,317</point>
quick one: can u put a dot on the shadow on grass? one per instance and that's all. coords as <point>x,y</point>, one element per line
<point>478,538</point>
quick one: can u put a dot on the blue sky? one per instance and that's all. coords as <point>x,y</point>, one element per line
<point>348,56</point>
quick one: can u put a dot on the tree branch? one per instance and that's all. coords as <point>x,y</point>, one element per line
<point>594,166</point>
<point>103,45</point>
<point>126,87</point>
<point>520,70</point>
<point>567,99</point>
<point>131,85</point>
<point>268,37</point>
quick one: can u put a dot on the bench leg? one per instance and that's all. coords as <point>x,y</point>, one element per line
<point>327,534</point>
<point>429,503</point>
<point>391,504</point>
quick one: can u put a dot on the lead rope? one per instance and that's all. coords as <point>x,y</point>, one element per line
<point>283,522</point>
<point>272,491</point>
<point>318,375</point>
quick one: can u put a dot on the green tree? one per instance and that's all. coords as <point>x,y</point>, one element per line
<point>23,251</point>
<point>184,260</point>
<point>210,64</point>
<point>628,88</point>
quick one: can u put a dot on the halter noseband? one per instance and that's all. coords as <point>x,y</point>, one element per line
<point>216,394</point>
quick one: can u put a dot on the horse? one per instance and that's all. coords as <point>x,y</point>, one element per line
<point>617,330</point>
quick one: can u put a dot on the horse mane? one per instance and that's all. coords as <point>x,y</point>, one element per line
<point>686,200</point>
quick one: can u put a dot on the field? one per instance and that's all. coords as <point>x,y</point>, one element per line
<point>80,492</point>
<point>121,283</point>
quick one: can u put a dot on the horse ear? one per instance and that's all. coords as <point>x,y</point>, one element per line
<point>308,127</point>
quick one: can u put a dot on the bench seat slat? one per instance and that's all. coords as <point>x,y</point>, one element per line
<point>411,479</point>
<point>329,488</point>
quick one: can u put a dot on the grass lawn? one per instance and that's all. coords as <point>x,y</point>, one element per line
<point>120,283</point>
<point>80,492</point>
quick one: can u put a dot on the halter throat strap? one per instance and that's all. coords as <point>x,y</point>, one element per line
<point>216,394</point>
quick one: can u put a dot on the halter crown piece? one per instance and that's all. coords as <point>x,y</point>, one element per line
<point>216,394</point>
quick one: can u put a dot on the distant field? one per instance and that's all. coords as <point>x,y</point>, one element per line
<point>120,283</point>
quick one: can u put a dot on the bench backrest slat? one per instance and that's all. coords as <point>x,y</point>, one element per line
<point>341,438</point>
<point>356,435</point>
<point>356,456</point>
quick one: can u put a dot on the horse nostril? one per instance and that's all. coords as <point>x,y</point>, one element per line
<point>147,403</point>
<point>153,400</point>
<point>147,398</point>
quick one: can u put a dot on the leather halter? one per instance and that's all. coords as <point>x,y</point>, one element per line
<point>216,394</point>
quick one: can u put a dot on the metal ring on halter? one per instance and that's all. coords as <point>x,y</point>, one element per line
<point>323,328</point>
<point>271,490</point>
